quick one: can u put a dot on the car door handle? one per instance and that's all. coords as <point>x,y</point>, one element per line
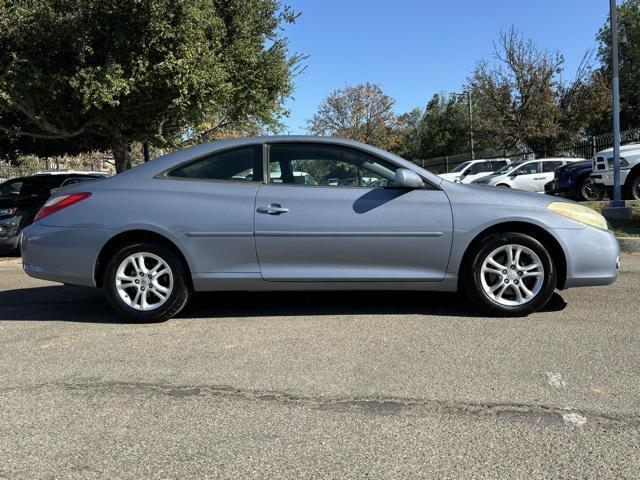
<point>273,209</point>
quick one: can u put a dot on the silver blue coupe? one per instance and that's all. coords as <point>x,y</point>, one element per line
<point>310,213</point>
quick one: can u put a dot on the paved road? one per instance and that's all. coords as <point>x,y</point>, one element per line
<point>355,385</point>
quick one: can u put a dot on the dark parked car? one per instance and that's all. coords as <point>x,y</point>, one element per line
<point>572,181</point>
<point>21,198</point>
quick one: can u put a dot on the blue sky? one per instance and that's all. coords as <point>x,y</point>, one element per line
<point>415,48</point>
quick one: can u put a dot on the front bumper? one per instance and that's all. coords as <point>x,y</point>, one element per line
<point>10,232</point>
<point>605,177</point>
<point>556,188</point>
<point>592,256</point>
<point>66,255</point>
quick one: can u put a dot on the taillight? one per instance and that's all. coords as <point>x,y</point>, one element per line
<point>56,204</point>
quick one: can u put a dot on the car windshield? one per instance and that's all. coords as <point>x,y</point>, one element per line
<point>10,188</point>
<point>460,167</point>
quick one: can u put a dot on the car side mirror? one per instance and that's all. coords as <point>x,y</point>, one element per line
<point>407,178</point>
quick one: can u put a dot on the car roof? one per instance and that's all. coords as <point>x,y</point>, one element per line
<point>70,172</point>
<point>165,162</point>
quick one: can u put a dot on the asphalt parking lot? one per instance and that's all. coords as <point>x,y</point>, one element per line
<point>349,385</point>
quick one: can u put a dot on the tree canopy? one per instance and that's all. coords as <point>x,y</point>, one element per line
<point>442,128</point>
<point>361,112</point>
<point>107,73</point>
<point>629,60</point>
<point>522,100</point>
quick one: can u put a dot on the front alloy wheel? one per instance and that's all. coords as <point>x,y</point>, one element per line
<point>510,274</point>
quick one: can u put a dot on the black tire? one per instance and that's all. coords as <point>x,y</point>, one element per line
<point>503,185</point>
<point>634,188</point>
<point>472,281</point>
<point>589,192</point>
<point>177,298</point>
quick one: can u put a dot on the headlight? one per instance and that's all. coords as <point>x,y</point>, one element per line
<point>579,213</point>
<point>8,211</point>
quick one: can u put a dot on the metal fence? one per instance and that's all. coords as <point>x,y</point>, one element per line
<point>585,148</point>
<point>31,165</point>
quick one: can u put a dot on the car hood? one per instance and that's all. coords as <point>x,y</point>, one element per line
<point>449,176</point>
<point>571,167</point>
<point>487,195</point>
<point>487,178</point>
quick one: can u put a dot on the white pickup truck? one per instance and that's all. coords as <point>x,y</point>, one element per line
<point>602,173</point>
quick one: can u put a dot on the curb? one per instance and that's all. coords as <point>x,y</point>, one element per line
<point>629,245</point>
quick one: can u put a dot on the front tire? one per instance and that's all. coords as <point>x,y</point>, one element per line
<point>146,282</point>
<point>510,274</point>
<point>634,188</point>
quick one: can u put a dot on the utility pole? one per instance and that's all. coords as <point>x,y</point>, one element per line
<point>145,151</point>
<point>473,153</point>
<point>617,206</point>
<point>467,93</point>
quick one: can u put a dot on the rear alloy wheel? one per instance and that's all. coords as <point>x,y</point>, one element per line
<point>511,274</point>
<point>146,282</point>
<point>589,192</point>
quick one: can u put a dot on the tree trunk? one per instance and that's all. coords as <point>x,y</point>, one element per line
<point>121,155</point>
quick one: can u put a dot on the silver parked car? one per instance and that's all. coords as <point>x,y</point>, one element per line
<point>238,215</point>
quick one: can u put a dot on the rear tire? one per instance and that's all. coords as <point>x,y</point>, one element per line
<point>503,185</point>
<point>146,282</point>
<point>510,284</point>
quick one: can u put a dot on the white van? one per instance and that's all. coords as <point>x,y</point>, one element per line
<point>469,171</point>
<point>530,176</point>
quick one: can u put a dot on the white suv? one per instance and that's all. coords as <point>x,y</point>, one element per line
<point>530,176</point>
<point>602,173</point>
<point>469,171</point>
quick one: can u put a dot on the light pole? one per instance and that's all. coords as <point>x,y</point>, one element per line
<point>617,206</point>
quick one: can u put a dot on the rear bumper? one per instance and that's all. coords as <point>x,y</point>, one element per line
<point>592,256</point>
<point>66,255</point>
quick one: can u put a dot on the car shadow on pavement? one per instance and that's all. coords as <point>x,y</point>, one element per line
<point>80,304</point>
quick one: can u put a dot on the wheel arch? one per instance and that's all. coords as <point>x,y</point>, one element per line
<point>543,236</point>
<point>130,236</point>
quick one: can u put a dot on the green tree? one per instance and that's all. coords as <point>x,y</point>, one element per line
<point>362,112</point>
<point>442,128</point>
<point>115,72</point>
<point>522,101</point>
<point>629,60</point>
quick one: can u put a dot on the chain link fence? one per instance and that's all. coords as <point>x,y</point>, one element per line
<point>585,148</point>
